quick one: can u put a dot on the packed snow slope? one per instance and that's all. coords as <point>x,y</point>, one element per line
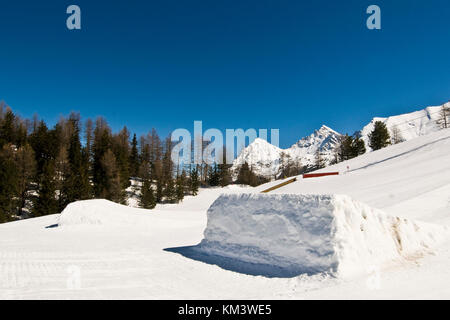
<point>104,250</point>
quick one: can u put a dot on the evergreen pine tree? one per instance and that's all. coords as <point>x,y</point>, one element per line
<point>246,176</point>
<point>26,168</point>
<point>45,203</point>
<point>62,169</point>
<point>358,147</point>
<point>159,191</point>
<point>213,175</point>
<point>101,144</point>
<point>147,197</point>
<point>224,170</point>
<point>345,148</point>
<point>194,181</point>
<point>224,175</point>
<point>180,186</point>
<point>134,158</point>
<point>7,132</point>
<point>121,149</point>
<point>379,137</point>
<point>45,146</point>
<point>8,182</point>
<point>76,184</point>
<point>112,189</point>
<point>170,194</point>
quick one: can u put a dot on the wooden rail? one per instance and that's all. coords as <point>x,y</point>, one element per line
<point>316,175</point>
<point>279,185</point>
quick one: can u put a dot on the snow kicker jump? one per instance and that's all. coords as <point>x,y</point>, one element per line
<point>311,234</point>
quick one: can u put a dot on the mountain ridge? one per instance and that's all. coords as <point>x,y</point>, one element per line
<point>266,160</point>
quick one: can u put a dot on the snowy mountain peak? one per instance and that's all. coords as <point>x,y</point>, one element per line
<point>261,143</point>
<point>265,158</point>
<point>262,156</point>
<point>324,128</point>
<point>322,139</point>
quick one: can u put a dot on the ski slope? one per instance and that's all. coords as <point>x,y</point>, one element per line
<point>99,250</point>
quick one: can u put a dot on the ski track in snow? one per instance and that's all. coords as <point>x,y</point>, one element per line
<point>128,261</point>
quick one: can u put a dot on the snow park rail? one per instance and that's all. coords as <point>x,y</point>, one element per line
<point>316,175</point>
<point>279,185</point>
<point>306,175</point>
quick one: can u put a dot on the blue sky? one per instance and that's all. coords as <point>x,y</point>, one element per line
<point>292,65</point>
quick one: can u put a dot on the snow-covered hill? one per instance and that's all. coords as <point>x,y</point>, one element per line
<point>151,257</point>
<point>409,125</point>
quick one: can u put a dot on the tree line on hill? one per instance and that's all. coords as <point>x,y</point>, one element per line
<point>43,169</point>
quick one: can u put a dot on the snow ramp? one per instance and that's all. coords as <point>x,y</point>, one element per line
<point>101,212</point>
<point>312,233</point>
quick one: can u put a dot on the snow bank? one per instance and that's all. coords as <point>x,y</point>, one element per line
<point>312,233</point>
<point>100,212</point>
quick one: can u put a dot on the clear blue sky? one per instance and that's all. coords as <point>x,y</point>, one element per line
<point>292,65</point>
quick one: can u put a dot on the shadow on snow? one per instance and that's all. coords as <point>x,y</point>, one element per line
<point>235,265</point>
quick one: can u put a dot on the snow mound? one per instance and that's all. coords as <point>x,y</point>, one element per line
<point>312,233</point>
<point>100,212</point>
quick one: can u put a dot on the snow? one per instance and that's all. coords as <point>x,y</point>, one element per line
<point>409,125</point>
<point>154,254</point>
<point>100,212</point>
<point>324,140</point>
<point>261,156</point>
<point>312,233</point>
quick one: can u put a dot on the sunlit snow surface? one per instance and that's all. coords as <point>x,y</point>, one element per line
<point>113,251</point>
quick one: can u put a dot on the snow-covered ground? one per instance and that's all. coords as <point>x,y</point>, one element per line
<point>102,250</point>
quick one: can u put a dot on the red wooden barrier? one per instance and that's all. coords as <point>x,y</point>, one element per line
<point>316,175</point>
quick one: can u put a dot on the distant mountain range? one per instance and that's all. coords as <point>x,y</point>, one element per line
<point>265,159</point>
